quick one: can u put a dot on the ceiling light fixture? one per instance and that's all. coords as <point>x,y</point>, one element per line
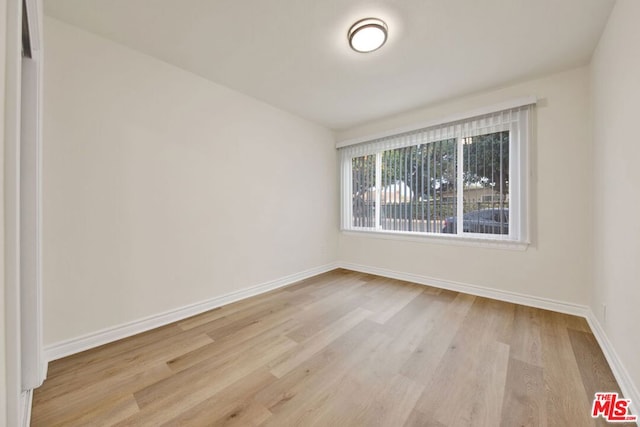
<point>367,35</point>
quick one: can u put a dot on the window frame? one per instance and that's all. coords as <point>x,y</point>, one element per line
<point>520,139</point>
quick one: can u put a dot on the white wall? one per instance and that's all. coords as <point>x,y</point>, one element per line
<point>556,265</point>
<point>163,189</point>
<point>615,84</point>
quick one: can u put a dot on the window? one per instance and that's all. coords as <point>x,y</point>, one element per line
<point>465,178</point>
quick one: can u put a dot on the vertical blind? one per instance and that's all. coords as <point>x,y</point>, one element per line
<point>463,177</point>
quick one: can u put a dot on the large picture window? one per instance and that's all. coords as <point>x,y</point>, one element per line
<point>461,179</point>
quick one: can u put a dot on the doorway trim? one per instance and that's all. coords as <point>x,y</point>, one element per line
<point>18,392</point>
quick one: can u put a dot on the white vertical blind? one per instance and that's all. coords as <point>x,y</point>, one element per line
<point>458,178</point>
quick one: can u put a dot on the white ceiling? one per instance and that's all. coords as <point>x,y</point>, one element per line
<point>293,54</point>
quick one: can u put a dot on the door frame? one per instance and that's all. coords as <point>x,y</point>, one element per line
<point>19,392</point>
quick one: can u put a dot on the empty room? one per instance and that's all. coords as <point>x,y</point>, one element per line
<point>320,213</point>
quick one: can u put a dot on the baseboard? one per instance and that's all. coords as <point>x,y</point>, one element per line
<point>26,402</point>
<point>44,367</point>
<point>481,291</point>
<point>628,388</point>
<point>107,335</point>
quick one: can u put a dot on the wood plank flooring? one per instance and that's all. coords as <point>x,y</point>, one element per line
<point>339,349</point>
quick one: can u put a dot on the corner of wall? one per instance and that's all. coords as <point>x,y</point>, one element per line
<point>613,92</point>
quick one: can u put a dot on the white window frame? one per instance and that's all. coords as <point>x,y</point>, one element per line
<point>520,114</point>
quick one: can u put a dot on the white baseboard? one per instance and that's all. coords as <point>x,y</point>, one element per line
<point>628,388</point>
<point>481,291</point>
<point>107,335</point>
<point>44,367</point>
<point>26,401</point>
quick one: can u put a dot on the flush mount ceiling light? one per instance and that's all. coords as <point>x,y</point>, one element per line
<point>367,35</point>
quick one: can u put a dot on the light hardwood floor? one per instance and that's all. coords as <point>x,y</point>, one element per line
<point>339,349</point>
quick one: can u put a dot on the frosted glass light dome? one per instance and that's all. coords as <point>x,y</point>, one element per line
<point>367,35</point>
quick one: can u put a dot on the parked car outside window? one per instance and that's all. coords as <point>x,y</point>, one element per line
<point>486,221</point>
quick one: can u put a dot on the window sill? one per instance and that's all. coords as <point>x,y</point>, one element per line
<point>440,239</point>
